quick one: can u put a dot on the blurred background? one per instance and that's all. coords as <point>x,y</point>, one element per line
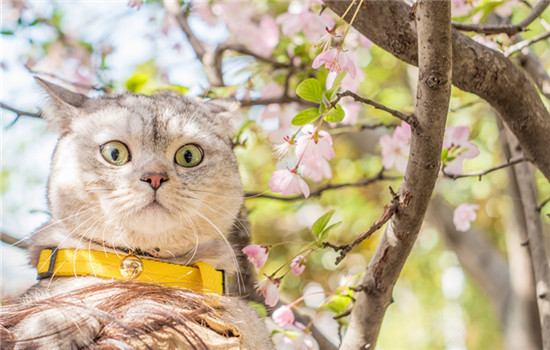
<point>98,47</point>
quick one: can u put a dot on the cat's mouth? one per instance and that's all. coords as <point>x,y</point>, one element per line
<point>154,205</point>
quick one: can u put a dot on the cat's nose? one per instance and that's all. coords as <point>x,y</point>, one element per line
<point>154,179</point>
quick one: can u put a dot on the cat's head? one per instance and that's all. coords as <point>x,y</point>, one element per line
<point>148,172</point>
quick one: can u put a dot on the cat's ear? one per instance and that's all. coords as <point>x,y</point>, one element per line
<point>226,112</point>
<point>63,105</point>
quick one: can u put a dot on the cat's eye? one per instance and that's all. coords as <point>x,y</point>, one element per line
<point>189,155</point>
<point>115,152</point>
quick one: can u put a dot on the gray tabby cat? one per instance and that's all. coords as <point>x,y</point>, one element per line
<point>148,176</point>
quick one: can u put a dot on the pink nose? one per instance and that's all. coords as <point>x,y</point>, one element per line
<point>155,179</point>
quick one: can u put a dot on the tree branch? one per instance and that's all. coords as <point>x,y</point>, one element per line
<point>409,119</point>
<point>535,241</point>
<point>16,242</point>
<point>19,114</point>
<point>476,69</point>
<point>485,172</point>
<point>525,43</point>
<point>389,211</point>
<point>363,182</point>
<point>433,21</point>
<point>509,29</point>
<point>218,54</point>
<point>536,71</point>
<point>213,72</point>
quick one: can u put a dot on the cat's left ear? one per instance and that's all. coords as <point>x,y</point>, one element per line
<point>63,105</point>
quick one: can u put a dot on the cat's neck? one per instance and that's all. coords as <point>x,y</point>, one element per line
<point>214,252</point>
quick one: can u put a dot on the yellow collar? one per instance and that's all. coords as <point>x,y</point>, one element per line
<point>81,262</point>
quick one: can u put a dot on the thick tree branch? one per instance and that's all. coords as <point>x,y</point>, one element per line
<point>509,29</point>
<point>433,20</point>
<point>485,172</point>
<point>409,119</point>
<point>535,241</point>
<point>476,69</point>
<point>317,192</point>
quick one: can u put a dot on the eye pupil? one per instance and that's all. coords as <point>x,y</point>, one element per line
<point>115,154</point>
<point>188,156</point>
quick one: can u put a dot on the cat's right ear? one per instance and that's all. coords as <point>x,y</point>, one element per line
<point>63,106</point>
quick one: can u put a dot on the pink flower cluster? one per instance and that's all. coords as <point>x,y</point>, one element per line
<point>313,150</point>
<point>395,148</point>
<point>269,289</point>
<point>463,216</point>
<point>256,254</point>
<point>459,147</point>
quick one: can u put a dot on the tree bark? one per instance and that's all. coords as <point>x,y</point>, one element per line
<point>476,69</point>
<point>433,19</point>
<point>534,238</point>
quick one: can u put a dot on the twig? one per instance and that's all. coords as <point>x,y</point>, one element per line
<point>355,128</point>
<point>19,243</point>
<point>389,210</point>
<point>19,113</point>
<point>363,182</point>
<point>218,53</point>
<point>541,205</point>
<point>410,119</point>
<point>278,100</point>
<point>485,172</point>
<point>523,44</point>
<point>509,29</point>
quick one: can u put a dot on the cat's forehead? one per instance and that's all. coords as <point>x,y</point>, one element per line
<point>161,117</point>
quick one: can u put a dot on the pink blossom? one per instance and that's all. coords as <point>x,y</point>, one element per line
<point>298,265</point>
<point>283,316</point>
<point>310,146</point>
<point>316,169</point>
<point>312,25</point>
<point>272,90</point>
<point>352,84</point>
<point>336,60</point>
<point>395,148</point>
<point>463,215</point>
<point>278,120</point>
<point>283,149</point>
<point>456,141</point>
<point>287,182</point>
<point>268,288</point>
<point>256,254</point>
<point>460,8</point>
<point>352,110</point>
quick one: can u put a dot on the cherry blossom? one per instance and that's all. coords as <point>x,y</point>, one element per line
<point>287,182</point>
<point>268,288</point>
<point>283,316</point>
<point>336,60</point>
<point>313,147</point>
<point>298,265</point>
<point>256,254</point>
<point>456,141</point>
<point>395,148</point>
<point>316,169</point>
<point>312,25</point>
<point>283,149</point>
<point>463,215</point>
<point>277,120</point>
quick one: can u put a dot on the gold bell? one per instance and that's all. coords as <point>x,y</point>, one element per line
<point>131,267</point>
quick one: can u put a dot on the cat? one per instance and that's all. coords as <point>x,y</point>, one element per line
<point>146,179</point>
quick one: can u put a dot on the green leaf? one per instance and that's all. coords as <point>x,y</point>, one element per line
<point>319,225</point>
<point>310,89</point>
<point>324,235</point>
<point>338,303</point>
<point>444,154</point>
<point>335,115</point>
<point>306,116</point>
<point>260,309</point>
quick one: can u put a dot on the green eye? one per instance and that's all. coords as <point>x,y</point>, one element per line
<point>189,155</point>
<point>115,153</point>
